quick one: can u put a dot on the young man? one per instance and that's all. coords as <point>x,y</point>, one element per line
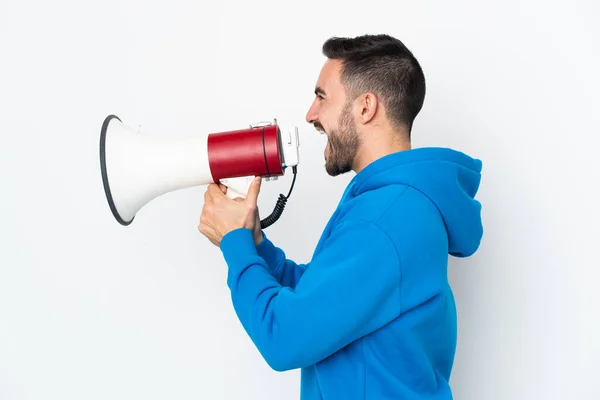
<point>372,315</point>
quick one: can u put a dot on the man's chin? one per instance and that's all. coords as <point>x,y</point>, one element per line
<point>334,170</point>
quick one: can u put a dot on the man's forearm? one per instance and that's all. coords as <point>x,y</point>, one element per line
<point>287,272</point>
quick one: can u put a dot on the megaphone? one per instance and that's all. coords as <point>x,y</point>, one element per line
<point>136,168</point>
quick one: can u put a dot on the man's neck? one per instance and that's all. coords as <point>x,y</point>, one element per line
<point>377,148</point>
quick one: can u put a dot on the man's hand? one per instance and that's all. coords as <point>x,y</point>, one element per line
<point>257,232</point>
<point>221,215</point>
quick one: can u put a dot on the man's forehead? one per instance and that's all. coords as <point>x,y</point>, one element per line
<point>329,76</point>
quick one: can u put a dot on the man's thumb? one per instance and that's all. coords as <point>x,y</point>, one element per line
<point>254,190</point>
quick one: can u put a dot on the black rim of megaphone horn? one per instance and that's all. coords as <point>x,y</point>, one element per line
<point>109,197</point>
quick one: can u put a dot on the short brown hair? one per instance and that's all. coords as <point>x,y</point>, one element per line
<point>384,65</point>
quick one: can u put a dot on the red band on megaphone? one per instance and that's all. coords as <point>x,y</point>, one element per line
<point>245,152</point>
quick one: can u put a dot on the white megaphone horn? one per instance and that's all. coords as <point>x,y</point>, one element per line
<point>136,168</point>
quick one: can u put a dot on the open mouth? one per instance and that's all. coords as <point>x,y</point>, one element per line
<point>323,135</point>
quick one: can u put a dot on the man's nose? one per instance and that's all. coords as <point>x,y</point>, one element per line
<point>311,115</point>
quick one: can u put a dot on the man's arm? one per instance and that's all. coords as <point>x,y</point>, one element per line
<point>285,271</point>
<point>351,289</point>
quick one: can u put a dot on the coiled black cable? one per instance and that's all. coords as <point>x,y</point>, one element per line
<point>279,206</point>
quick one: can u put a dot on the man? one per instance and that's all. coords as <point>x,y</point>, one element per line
<point>372,315</point>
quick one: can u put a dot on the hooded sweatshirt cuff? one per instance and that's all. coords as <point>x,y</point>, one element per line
<point>238,248</point>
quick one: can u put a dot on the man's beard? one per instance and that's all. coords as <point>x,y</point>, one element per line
<point>343,145</point>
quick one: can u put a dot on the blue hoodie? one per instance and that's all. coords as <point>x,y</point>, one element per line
<point>372,315</point>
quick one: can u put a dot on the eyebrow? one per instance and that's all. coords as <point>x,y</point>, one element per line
<point>319,91</point>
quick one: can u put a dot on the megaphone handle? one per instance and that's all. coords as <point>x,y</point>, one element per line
<point>237,187</point>
<point>232,194</point>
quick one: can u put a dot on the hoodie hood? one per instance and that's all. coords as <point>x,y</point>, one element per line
<point>449,178</point>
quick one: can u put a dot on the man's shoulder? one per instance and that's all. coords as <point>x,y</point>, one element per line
<point>388,204</point>
<point>369,205</point>
<point>400,211</point>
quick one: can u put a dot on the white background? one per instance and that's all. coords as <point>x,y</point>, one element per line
<point>92,310</point>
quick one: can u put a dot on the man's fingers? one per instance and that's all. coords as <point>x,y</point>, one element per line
<point>213,189</point>
<point>215,193</point>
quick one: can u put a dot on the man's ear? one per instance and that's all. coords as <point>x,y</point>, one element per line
<point>367,105</point>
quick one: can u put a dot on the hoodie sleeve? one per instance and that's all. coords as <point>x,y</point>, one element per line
<point>350,289</point>
<point>285,271</point>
